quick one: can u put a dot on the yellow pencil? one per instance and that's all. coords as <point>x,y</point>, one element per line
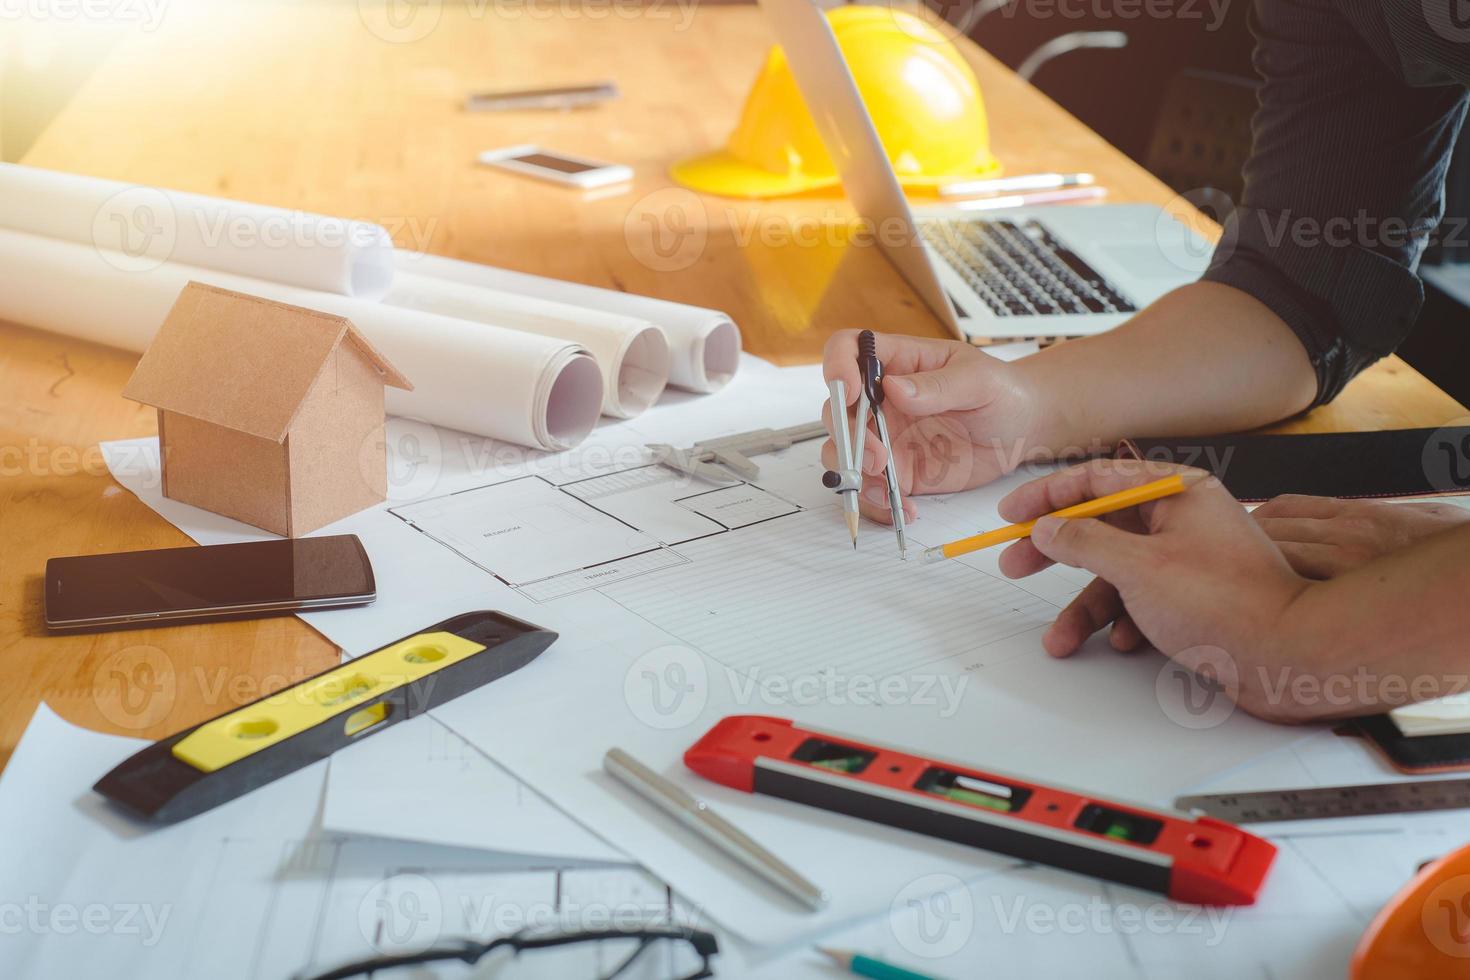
<point>1121,500</point>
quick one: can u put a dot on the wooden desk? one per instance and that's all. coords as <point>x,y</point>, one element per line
<point>306,107</point>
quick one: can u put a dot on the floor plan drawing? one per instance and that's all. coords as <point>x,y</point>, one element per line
<point>748,573</point>
<point>550,540</point>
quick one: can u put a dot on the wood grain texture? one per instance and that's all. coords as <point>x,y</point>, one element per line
<point>305,106</point>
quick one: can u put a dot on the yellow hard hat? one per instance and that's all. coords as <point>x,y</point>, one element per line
<point>923,97</point>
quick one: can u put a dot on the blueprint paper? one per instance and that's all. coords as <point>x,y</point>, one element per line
<point>527,389</point>
<point>69,855</point>
<point>252,890</point>
<point>274,898</point>
<point>443,790</point>
<point>313,251</point>
<point>680,601</point>
<point>647,692</point>
<point>705,344</point>
<point>632,354</point>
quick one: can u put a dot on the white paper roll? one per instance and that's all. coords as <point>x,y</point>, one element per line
<point>705,344</point>
<point>633,353</point>
<point>143,227</point>
<point>522,388</point>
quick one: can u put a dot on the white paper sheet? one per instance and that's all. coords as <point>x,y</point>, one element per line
<point>705,343</point>
<point>667,634</point>
<point>445,791</point>
<point>253,890</point>
<point>146,226</point>
<point>1329,880</point>
<point>633,353</point>
<point>1443,716</point>
<point>519,387</point>
<point>66,851</point>
<point>649,694</point>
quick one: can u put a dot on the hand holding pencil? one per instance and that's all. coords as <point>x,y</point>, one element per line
<point>1189,572</point>
<point>1111,503</point>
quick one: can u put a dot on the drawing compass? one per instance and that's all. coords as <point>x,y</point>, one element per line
<point>870,402</point>
<point>847,478</point>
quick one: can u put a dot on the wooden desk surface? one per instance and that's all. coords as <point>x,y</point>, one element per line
<point>308,107</point>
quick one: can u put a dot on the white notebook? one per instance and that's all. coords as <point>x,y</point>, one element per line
<point>1442,716</point>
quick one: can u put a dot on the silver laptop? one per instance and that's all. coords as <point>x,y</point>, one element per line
<point>1058,271</point>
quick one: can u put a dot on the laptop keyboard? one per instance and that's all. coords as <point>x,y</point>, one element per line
<point>1018,268</point>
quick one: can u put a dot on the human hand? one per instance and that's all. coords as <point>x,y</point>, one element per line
<point>957,417</point>
<point>1192,573</point>
<point>1323,537</point>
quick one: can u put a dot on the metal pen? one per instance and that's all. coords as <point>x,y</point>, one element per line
<point>1065,196</point>
<point>1015,185</point>
<point>695,814</point>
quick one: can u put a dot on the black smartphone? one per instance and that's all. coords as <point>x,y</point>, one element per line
<point>223,581</point>
<point>1411,753</point>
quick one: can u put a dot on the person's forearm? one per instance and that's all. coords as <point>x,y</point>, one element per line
<point>1390,632</point>
<point>1204,359</point>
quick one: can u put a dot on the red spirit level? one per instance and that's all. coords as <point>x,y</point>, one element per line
<point>1190,859</point>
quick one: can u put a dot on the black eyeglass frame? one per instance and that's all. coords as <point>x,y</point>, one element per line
<point>470,951</point>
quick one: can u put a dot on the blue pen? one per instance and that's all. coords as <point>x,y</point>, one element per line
<point>866,966</point>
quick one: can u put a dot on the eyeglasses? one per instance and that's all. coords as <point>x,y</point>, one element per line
<point>469,951</point>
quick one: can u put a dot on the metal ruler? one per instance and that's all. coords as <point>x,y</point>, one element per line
<point>728,458</point>
<point>1321,802</point>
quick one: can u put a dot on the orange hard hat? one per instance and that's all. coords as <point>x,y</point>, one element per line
<point>1423,933</point>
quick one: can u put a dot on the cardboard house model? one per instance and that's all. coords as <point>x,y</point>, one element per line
<point>267,413</point>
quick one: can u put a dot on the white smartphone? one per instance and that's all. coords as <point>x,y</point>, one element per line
<point>559,168</point>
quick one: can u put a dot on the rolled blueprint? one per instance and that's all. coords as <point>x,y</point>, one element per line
<point>633,353</point>
<point>705,344</point>
<point>523,388</point>
<point>147,226</point>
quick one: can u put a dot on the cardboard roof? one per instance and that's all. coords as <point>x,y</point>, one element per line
<point>241,361</point>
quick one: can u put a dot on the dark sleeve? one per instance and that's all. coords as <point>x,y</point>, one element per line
<point>1344,184</point>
